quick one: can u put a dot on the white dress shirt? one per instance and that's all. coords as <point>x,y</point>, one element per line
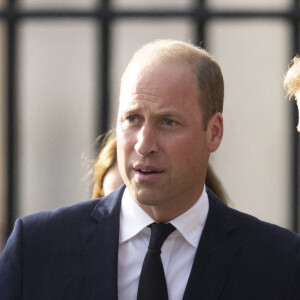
<point>178,251</point>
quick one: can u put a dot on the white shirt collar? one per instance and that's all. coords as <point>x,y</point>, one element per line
<point>190,224</point>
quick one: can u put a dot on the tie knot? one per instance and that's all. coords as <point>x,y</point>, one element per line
<point>159,233</point>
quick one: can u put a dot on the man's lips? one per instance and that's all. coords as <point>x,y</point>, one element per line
<point>147,169</point>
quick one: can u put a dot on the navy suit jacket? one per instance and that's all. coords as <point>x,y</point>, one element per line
<point>72,253</point>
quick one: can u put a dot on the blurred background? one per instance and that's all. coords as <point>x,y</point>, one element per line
<point>60,67</point>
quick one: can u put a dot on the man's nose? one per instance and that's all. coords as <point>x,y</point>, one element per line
<point>147,141</point>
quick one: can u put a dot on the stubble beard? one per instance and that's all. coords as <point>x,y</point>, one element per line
<point>147,194</point>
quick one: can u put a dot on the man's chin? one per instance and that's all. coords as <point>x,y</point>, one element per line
<point>145,196</point>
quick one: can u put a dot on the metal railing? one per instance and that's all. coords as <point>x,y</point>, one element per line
<point>104,14</point>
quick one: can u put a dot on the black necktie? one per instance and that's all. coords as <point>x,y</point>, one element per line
<point>152,284</point>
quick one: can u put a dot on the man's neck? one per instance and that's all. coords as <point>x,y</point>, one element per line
<point>167,213</point>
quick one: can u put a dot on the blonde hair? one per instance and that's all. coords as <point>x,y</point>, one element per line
<point>215,184</point>
<point>106,159</point>
<point>292,78</point>
<point>207,71</point>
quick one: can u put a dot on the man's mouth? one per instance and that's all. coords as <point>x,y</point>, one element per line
<point>148,171</point>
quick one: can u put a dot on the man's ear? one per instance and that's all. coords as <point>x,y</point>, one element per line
<point>215,132</point>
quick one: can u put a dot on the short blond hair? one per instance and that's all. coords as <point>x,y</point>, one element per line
<point>292,78</point>
<point>207,71</point>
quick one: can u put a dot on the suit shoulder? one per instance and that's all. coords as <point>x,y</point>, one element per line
<point>75,213</point>
<point>73,217</point>
<point>250,227</point>
<point>259,231</point>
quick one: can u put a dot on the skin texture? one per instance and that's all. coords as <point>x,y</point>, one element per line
<point>112,180</point>
<point>159,130</point>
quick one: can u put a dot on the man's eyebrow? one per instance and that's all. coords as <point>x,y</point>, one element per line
<point>170,113</point>
<point>163,113</point>
<point>131,110</point>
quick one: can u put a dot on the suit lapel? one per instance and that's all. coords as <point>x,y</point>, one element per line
<point>215,255</point>
<point>100,243</point>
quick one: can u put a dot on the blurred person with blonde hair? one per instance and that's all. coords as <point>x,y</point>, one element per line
<point>292,82</point>
<point>106,175</point>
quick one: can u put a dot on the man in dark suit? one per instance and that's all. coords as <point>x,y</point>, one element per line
<point>169,121</point>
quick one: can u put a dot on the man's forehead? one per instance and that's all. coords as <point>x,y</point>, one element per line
<point>160,108</point>
<point>135,70</point>
<point>149,69</point>
<point>152,104</point>
<point>157,80</point>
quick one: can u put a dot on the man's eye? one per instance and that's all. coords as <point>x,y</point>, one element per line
<point>169,122</point>
<point>131,119</point>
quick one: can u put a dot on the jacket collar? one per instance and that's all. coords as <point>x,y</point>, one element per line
<point>100,248</point>
<point>216,252</point>
<point>215,255</point>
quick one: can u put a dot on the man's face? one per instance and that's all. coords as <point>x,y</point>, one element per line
<point>162,147</point>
